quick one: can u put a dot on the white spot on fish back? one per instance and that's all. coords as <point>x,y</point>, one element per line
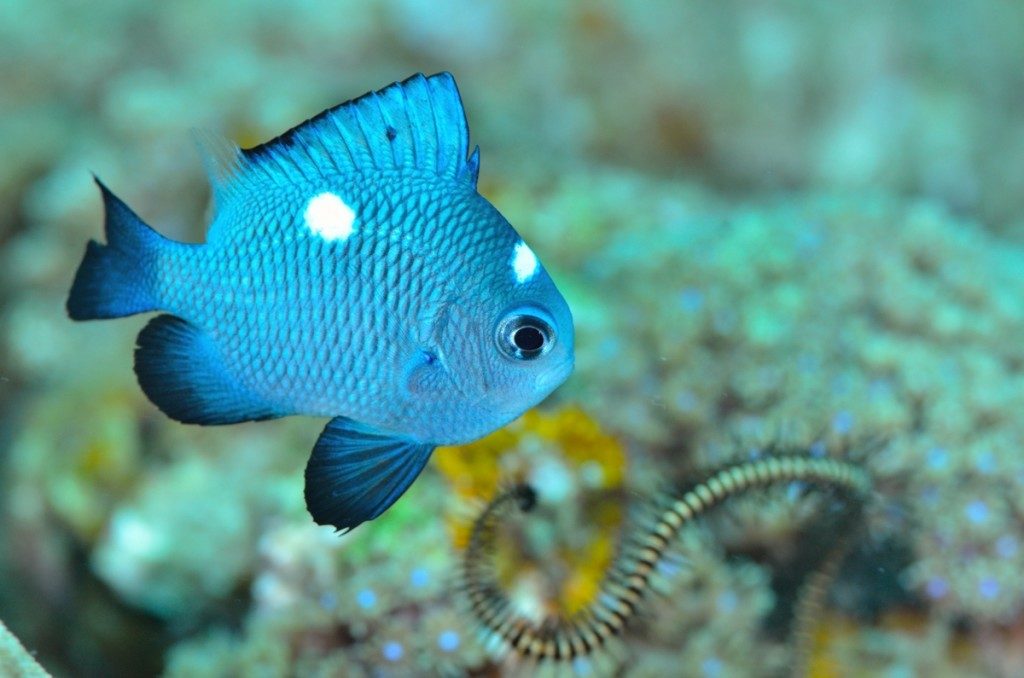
<point>329,217</point>
<point>524,262</point>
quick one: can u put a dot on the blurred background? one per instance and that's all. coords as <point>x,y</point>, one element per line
<point>799,220</point>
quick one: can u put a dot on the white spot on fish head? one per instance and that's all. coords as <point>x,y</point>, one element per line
<point>524,263</point>
<point>329,217</point>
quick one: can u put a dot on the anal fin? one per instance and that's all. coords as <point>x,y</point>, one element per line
<point>356,472</point>
<point>181,371</point>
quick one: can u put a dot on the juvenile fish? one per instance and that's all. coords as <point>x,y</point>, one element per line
<point>352,271</point>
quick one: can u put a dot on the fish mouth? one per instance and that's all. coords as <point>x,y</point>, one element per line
<point>551,379</point>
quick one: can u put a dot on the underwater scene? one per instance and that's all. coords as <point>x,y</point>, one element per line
<point>707,363</point>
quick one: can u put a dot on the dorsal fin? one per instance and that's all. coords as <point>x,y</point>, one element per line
<point>220,160</point>
<point>473,166</point>
<point>418,123</point>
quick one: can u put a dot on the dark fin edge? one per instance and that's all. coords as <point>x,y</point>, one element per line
<point>110,281</point>
<point>181,371</point>
<point>356,472</point>
<point>418,122</point>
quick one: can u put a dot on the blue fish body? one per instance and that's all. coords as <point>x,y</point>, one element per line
<point>352,270</point>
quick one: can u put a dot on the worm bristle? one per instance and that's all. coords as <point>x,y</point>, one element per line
<point>635,575</point>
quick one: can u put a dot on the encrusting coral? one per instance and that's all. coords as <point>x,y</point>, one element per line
<point>744,319</point>
<point>697,315</point>
<point>324,604</point>
<point>739,320</point>
<point>574,464</point>
<point>510,620</point>
<point>15,661</point>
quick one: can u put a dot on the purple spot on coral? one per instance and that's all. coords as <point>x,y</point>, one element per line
<point>937,458</point>
<point>808,363</point>
<point>936,588</point>
<point>419,577</point>
<point>609,347</point>
<point>691,300</point>
<point>727,601</point>
<point>818,449</point>
<point>879,388</point>
<point>711,667</point>
<point>581,666</point>
<point>930,495</point>
<point>988,588</point>
<point>1007,546</point>
<point>366,599</point>
<point>686,401</point>
<point>392,651</point>
<point>985,462</point>
<point>842,423</point>
<point>328,601</point>
<point>841,384</point>
<point>976,512</point>
<point>808,242</point>
<point>448,641</point>
<point>667,569</point>
<point>724,322</point>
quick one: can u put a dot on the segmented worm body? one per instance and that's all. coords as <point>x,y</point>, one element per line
<point>629,581</point>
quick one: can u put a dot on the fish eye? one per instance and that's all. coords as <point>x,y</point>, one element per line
<point>524,335</point>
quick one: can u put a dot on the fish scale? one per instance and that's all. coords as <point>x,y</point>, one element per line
<point>353,271</point>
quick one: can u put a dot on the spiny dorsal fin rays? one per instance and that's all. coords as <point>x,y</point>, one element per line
<point>417,124</point>
<point>412,113</point>
<point>473,165</point>
<point>220,160</point>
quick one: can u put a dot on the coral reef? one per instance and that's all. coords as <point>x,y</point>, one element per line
<point>371,602</point>
<point>573,464</point>
<point>880,295</point>
<point>741,320</point>
<point>510,619</point>
<point>771,324</point>
<point>15,661</point>
<point>793,314</point>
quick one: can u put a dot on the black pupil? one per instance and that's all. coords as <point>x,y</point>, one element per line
<point>528,339</point>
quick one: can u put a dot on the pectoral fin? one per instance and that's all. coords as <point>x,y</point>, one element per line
<point>181,370</point>
<point>356,472</point>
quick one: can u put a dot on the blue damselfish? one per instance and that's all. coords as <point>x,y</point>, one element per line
<point>352,271</point>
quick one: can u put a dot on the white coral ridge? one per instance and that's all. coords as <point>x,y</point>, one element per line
<point>15,661</point>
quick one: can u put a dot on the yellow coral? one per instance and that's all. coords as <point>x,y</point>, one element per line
<point>837,635</point>
<point>586,572</point>
<point>474,470</point>
<point>822,662</point>
<point>593,460</point>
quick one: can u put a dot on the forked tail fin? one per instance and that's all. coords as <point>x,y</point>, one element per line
<point>114,280</point>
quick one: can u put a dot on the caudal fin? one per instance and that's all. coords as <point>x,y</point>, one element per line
<point>112,280</point>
